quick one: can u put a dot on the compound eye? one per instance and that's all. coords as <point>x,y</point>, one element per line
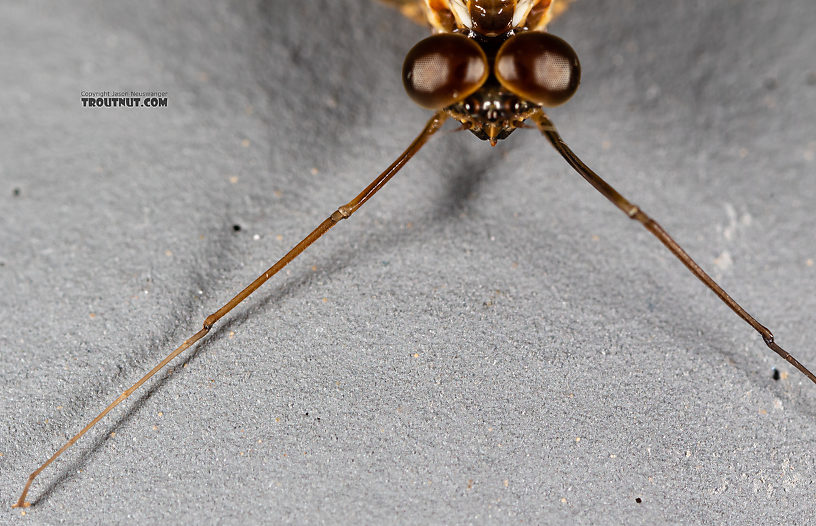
<point>538,67</point>
<point>444,69</point>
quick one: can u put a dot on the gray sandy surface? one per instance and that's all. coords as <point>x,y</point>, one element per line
<point>487,341</point>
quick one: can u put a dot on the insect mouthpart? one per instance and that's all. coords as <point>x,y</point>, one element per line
<point>492,113</point>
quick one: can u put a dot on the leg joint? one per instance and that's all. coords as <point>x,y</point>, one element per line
<point>341,213</point>
<point>210,321</point>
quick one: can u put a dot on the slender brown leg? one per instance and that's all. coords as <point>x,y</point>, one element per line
<point>548,129</point>
<point>341,213</point>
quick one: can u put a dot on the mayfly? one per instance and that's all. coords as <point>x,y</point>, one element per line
<point>490,66</point>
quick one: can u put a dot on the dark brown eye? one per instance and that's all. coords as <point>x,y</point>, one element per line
<point>444,69</point>
<point>539,67</point>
